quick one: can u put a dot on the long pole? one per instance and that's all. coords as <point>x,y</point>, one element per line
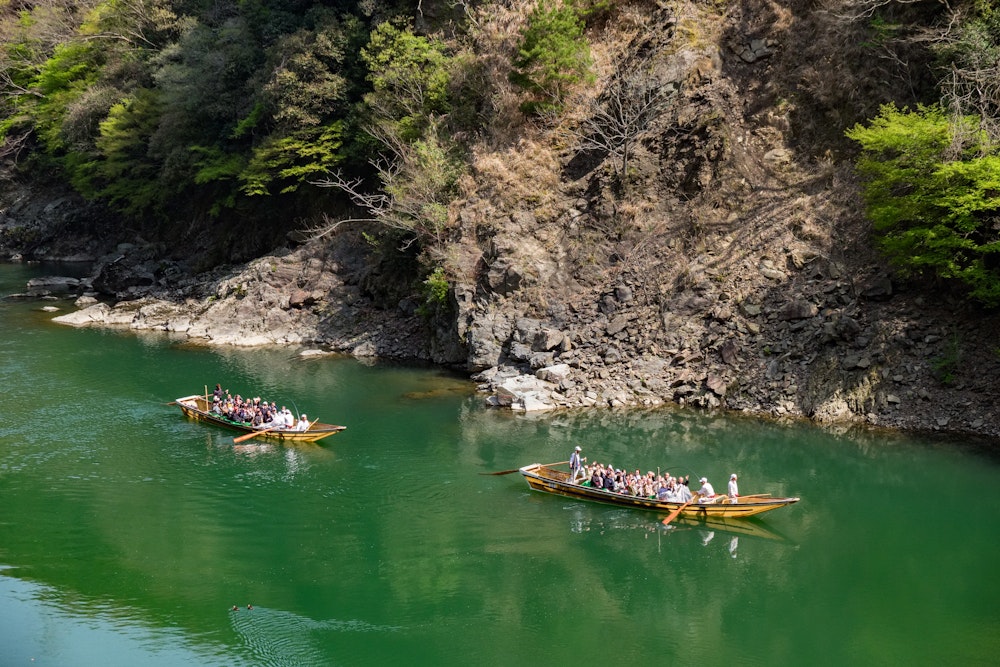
<point>507,472</point>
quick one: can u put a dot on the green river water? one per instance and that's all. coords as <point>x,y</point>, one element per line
<point>127,532</point>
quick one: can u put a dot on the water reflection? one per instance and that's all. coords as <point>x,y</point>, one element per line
<point>102,632</point>
<point>583,520</point>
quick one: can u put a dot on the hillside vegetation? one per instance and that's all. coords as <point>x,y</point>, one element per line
<point>785,207</point>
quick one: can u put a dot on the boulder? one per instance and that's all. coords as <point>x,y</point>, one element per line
<point>56,283</point>
<point>548,339</point>
<point>554,374</point>
<point>96,314</point>
<point>798,309</point>
<point>728,352</point>
<point>120,275</point>
<point>617,324</point>
<point>526,392</point>
<point>716,384</point>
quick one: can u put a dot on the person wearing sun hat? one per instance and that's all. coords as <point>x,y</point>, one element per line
<point>734,489</point>
<point>706,494</point>
<point>576,464</point>
<point>303,424</point>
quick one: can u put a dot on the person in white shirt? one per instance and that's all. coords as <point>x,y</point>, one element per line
<point>734,489</point>
<point>303,423</point>
<point>682,494</point>
<point>576,464</point>
<point>706,494</point>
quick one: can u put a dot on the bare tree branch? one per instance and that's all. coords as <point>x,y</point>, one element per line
<point>617,118</point>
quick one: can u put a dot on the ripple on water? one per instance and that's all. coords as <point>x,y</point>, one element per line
<point>275,637</point>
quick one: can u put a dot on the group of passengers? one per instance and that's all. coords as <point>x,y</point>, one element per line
<point>255,412</point>
<point>661,487</point>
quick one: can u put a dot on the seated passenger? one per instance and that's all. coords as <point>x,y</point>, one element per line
<point>706,494</point>
<point>682,494</point>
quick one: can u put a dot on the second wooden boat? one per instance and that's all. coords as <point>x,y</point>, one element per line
<point>550,480</point>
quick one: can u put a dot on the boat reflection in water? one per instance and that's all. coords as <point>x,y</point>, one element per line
<point>708,528</point>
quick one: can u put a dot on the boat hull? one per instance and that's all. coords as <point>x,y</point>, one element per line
<point>549,480</point>
<point>199,409</point>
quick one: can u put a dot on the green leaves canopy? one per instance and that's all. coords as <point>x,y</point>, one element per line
<point>933,195</point>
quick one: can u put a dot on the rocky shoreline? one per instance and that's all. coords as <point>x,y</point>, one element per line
<point>820,348</point>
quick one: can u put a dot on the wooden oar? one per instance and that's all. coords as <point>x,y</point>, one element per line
<point>253,435</point>
<point>673,515</point>
<point>507,472</point>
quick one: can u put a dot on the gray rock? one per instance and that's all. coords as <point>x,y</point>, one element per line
<point>617,324</point>
<point>58,283</point>
<point>798,309</point>
<point>878,288</point>
<point>716,384</point>
<point>95,314</point>
<point>728,352</point>
<point>519,352</point>
<point>623,294</point>
<point>548,339</point>
<point>84,301</point>
<point>554,374</point>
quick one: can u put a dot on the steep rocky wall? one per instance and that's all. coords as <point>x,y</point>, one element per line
<point>733,269</point>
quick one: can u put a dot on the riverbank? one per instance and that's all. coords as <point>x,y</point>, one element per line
<point>838,352</point>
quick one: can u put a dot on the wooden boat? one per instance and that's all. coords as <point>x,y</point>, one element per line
<point>199,408</point>
<point>549,480</point>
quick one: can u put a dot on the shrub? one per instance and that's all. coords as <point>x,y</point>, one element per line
<point>552,56</point>
<point>933,195</point>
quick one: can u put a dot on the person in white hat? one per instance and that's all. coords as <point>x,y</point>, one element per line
<point>734,489</point>
<point>303,424</point>
<point>576,464</point>
<point>706,494</point>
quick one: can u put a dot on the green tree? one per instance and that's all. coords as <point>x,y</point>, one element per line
<point>553,54</point>
<point>409,75</point>
<point>933,196</point>
<point>302,101</point>
<point>120,172</point>
<point>417,184</point>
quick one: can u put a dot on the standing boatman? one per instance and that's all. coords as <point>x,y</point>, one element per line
<point>734,489</point>
<point>576,464</point>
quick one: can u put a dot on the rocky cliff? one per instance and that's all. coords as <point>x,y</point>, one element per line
<point>724,262</point>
